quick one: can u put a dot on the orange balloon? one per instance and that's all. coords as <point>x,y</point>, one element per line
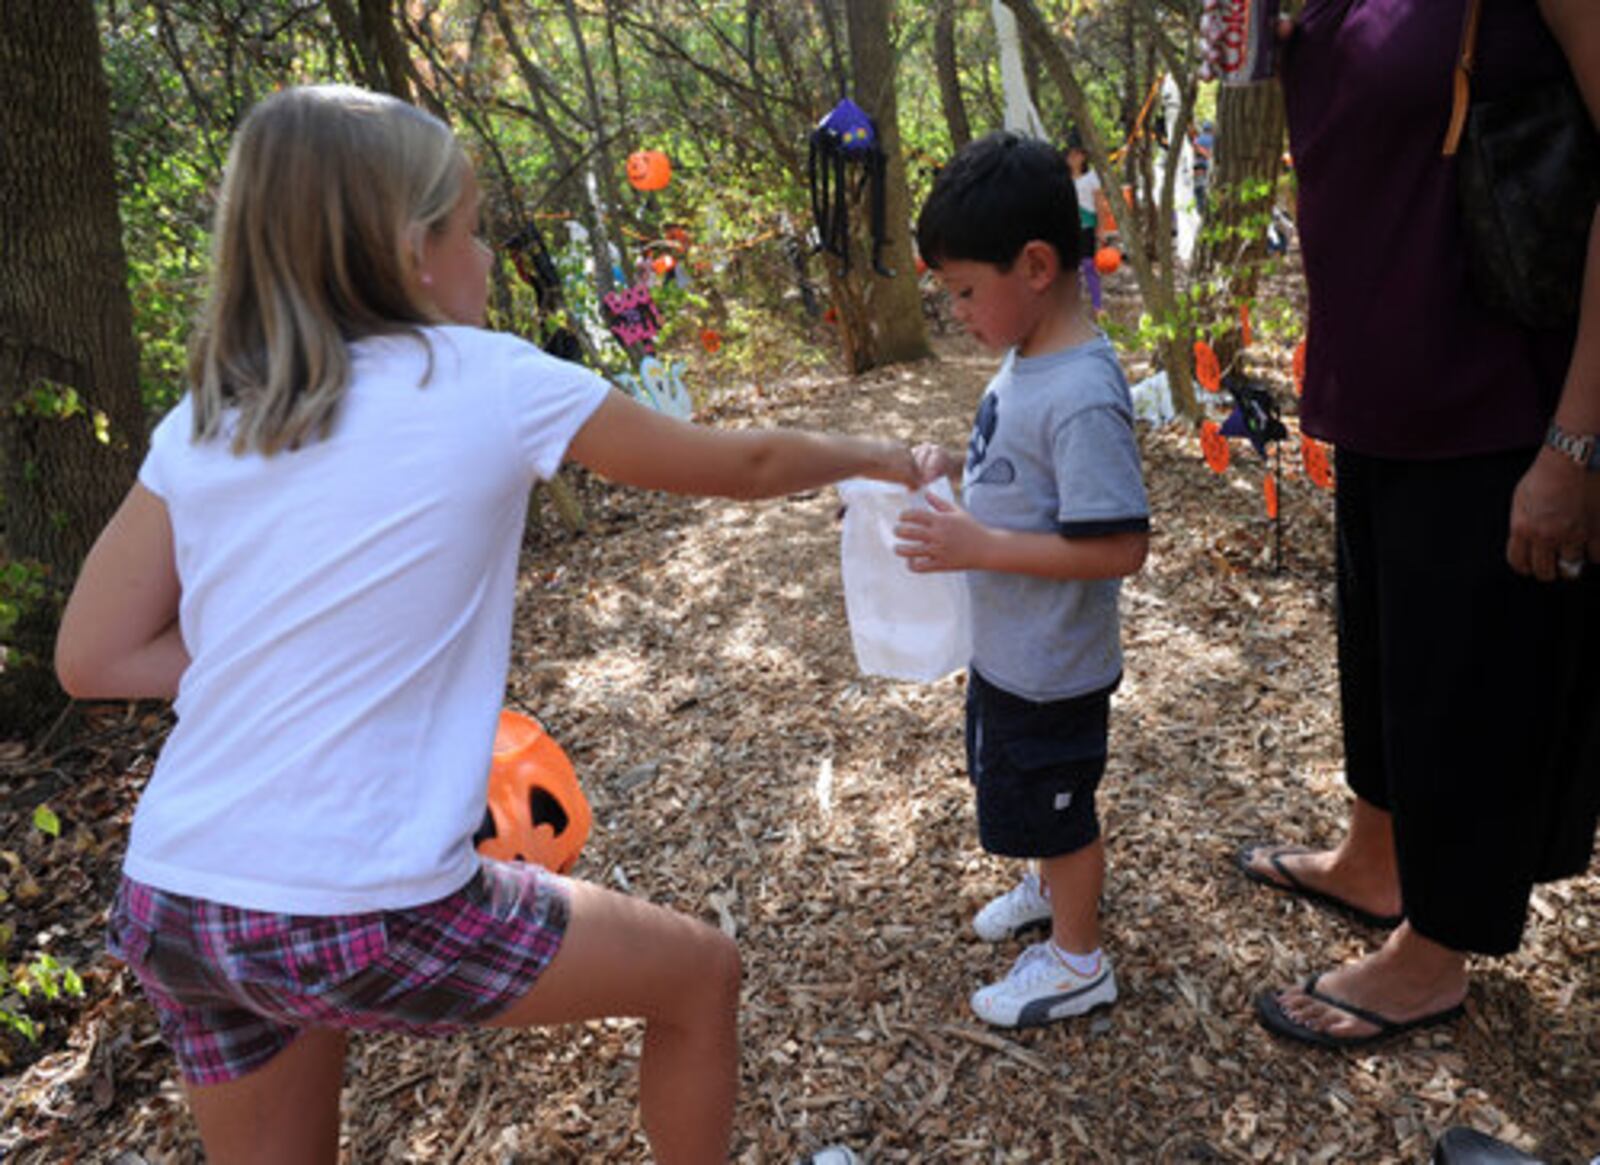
<point>536,811</point>
<point>1300,368</point>
<point>1107,260</point>
<point>649,170</point>
<point>710,340</point>
<point>1207,369</point>
<point>1215,446</point>
<point>1314,456</point>
<point>1269,494</point>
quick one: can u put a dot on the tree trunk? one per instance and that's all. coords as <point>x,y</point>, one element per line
<point>72,429</point>
<point>1246,162</point>
<point>889,329</point>
<point>948,70</point>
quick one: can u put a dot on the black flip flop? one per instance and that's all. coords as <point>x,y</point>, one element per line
<point>1293,885</point>
<point>1272,1016</point>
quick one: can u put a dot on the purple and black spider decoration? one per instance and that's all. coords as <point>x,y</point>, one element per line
<point>847,137</point>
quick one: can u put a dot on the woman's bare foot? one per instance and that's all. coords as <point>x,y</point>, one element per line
<point>1409,978</point>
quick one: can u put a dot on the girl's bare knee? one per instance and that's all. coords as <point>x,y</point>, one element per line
<point>714,987</point>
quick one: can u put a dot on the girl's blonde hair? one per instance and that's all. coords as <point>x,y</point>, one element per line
<point>328,194</point>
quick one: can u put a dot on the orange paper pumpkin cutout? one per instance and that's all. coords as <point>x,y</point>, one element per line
<point>710,340</point>
<point>1215,446</point>
<point>1300,368</point>
<point>1314,456</point>
<point>1245,334</point>
<point>1269,494</point>
<point>649,170</point>
<point>1107,260</point>
<point>536,812</point>
<point>1207,370</point>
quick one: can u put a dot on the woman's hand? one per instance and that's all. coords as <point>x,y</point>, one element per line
<point>1555,519</point>
<point>944,538</point>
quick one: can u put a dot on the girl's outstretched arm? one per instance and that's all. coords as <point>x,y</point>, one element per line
<point>626,442</point>
<point>119,636</point>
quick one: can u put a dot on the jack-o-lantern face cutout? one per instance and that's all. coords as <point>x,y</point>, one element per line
<point>1215,446</point>
<point>1315,457</point>
<point>649,170</point>
<point>536,811</point>
<point>1207,369</point>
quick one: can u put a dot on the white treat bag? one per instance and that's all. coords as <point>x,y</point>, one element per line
<point>904,625</point>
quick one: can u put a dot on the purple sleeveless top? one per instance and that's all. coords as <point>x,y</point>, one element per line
<point>1402,361</point>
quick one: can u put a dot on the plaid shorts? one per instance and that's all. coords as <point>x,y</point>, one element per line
<point>232,987</point>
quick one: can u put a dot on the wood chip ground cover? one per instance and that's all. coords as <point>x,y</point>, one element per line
<point>693,659</point>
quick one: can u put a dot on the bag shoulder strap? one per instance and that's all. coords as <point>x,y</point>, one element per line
<point>1463,77</point>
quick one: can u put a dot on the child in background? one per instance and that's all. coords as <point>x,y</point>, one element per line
<point>1055,516</point>
<point>1091,204</point>
<point>319,563</point>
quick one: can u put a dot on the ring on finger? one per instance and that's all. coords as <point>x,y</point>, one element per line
<point>1570,568</point>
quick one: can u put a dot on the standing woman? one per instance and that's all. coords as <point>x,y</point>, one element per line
<point>1467,519</point>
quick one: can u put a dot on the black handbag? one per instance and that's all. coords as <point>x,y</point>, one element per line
<point>1528,179</point>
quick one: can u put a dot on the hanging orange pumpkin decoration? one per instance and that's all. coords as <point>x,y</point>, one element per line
<point>1207,369</point>
<point>649,170</point>
<point>1245,335</point>
<point>1215,446</point>
<point>710,340</point>
<point>1269,494</point>
<point>536,811</point>
<point>1107,260</point>
<point>663,264</point>
<point>1314,456</point>
<point>1300,368</point>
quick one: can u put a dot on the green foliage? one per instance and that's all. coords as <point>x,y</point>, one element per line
<point>46,821</point>
<point>44,979</point>
<point>22,586</point>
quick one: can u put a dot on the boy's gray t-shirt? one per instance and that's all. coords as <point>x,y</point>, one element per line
<point>1052,450</point>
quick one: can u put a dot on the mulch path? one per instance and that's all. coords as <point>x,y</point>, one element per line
<point>693,659</point>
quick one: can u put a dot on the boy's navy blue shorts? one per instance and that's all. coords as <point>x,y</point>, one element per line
<point>1035,767</point>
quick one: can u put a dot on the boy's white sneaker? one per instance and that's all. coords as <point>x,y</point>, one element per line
<point>833,1155</point>
<point>1020,907</point>
<point>1041,988</point>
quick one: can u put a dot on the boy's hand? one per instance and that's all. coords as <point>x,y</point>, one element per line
<point>945,538</point>
<point>934,462</point>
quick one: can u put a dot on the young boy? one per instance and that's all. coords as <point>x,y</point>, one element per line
<point>1055,516</point>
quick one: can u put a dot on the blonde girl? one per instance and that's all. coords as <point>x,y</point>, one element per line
<point>318,564</point>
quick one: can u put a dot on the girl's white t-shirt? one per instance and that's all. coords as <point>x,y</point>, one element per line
<point>347,610</point>
<point>1087,185</point>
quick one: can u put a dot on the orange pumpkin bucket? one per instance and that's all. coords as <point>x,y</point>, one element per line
<point>536,811</point>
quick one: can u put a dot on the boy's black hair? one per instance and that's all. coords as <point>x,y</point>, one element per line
<point>998,193</point>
